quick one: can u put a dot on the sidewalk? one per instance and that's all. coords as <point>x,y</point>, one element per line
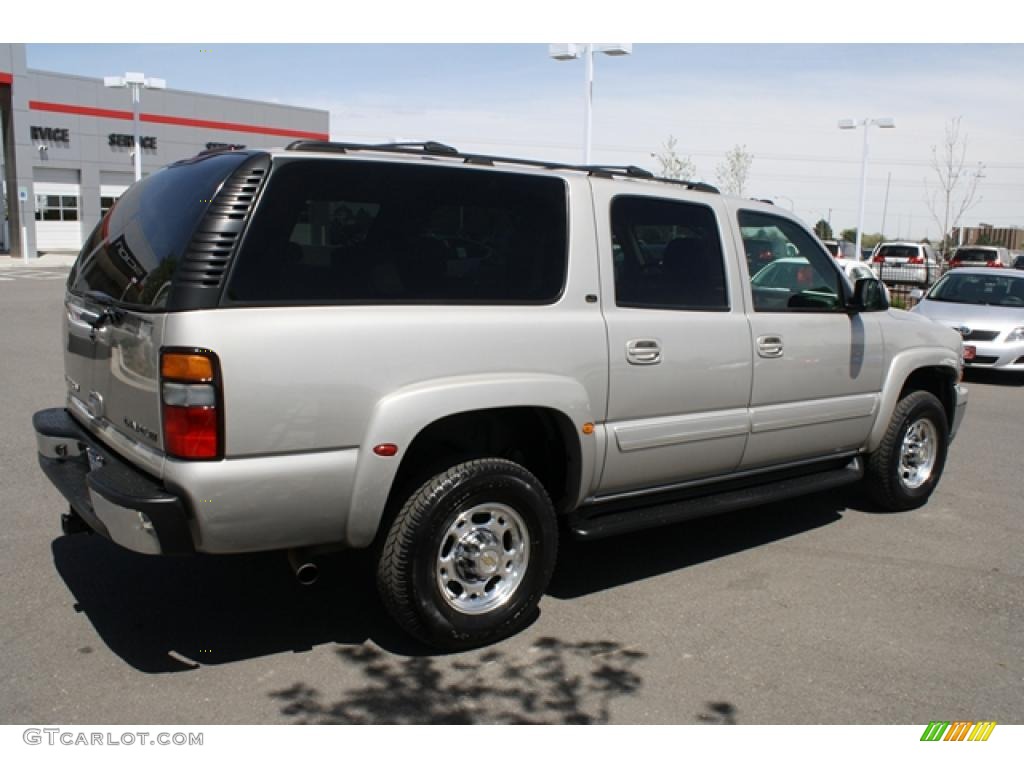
<point>45,261</point>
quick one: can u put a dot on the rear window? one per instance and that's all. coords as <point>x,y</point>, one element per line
<point>975,254</point>
<point>899,251</point>
<point>134,251</point>
<point>375,232</point>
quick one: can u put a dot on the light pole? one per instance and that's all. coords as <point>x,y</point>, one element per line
<point>569,51</point>
<point>136,81</point>
<point>867,122</point>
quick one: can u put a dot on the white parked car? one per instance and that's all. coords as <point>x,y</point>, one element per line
<point>906,263</point>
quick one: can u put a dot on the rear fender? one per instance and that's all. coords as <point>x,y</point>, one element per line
<point>398,418</point>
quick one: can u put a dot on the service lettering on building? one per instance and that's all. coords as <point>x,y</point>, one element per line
<point>127,140</point>
<point>56,135</point>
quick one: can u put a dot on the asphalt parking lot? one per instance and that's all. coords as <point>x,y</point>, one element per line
<point>813,611</point>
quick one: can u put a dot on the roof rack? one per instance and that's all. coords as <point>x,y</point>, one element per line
<point>438,148</point>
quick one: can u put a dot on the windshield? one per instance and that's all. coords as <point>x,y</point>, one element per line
<point>993,290</point>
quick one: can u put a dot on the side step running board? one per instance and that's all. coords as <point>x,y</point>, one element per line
<point>590,523</point>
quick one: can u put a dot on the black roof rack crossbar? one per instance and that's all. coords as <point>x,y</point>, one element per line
<point>438,148</point>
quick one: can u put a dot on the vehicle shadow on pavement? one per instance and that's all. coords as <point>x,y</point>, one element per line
<point>167,614</point>
<point>551,681</point>
<point>587,567</point>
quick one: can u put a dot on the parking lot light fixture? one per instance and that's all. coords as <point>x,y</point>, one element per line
<point>136,81</point>
<point>570,51</point>
<point>849,124</point>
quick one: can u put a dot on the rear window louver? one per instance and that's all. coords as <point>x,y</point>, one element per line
<point>200,277</point>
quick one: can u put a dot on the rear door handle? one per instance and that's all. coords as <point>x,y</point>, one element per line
<point>769,346</point>
<point>643,352</point>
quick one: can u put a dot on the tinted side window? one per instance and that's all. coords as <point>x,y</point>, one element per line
<point>788,270</point>
<point>379,232</point>
<point>667,255</point>
<point>134,252</point>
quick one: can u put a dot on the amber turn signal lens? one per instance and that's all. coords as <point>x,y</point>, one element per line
<point>185,367</point>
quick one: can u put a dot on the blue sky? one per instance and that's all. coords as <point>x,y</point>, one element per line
<point>781,101</point>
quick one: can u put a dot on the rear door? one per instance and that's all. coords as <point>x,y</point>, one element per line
<point>817,370</point>
<point>117,298</point>
<point>678,340</point>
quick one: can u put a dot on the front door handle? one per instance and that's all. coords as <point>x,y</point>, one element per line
<point>769,346</point>
<point>643,352</point>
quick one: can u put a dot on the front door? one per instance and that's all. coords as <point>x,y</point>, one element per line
<point>817,369</point>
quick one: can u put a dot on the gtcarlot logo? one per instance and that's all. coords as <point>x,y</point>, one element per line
<point>70,738</point>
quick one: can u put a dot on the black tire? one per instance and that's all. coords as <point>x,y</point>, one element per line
<point>890,481</point>
<point>409,571</point>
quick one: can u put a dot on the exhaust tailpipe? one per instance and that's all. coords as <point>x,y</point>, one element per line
<point>305,570</point>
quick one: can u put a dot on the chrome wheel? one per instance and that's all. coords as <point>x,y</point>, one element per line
<point>482,558</point>
<point>918,453</point>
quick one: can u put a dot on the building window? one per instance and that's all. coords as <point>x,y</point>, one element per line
<point>106,203</point>
<point>56,208</point>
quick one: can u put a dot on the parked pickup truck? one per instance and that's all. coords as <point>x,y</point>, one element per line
<point>450,359</point>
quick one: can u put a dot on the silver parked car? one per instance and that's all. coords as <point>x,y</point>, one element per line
<point>987,309</point>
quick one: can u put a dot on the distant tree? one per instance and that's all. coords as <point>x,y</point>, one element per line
<point>870,241</point>
<point>823,229</point>
<point>848,234</point>
<point>985,238</point>
<point>957,190</point>
<point>672,165</point>
<point>732,174</point>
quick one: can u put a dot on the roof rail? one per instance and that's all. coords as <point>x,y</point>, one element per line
<point>438,148</point>
<point>409,147</point>
<point>698,186</point>
<point>619,170</point>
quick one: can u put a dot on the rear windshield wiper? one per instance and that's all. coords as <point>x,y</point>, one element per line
<point>110,313</point>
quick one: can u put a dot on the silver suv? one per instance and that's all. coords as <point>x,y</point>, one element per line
<point>906,263</point>
<point>981,256</point>
<point>449,359</point>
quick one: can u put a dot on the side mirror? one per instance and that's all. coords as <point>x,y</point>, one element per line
<point>917,294</point>
<point>868,296</point>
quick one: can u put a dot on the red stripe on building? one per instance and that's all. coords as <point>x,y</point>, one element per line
<point>241,127</point>
<point>74,109</point>
<point>6,78</point>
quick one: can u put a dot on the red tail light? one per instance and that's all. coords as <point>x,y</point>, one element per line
<point>878,259</point>
<point>193,409</point>
<point>994,263</point>
<point>191,433</point>
<point>915,260</point>
<point>954,263</point>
